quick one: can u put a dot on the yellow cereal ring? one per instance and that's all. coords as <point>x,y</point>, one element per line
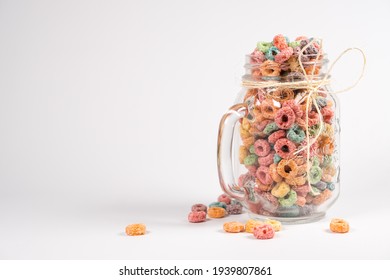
<point>296,181</point>
<point>339,226</point>
<point>136,229</point>
<point>243,153</point>
<point>251,224</point>
<point>216,212</point>
<point>275,224</point>
<point>233,227</point>
<point>280,190</point>
<point>274,173</point>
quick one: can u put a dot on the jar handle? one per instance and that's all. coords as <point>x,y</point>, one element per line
<point>224,151</point>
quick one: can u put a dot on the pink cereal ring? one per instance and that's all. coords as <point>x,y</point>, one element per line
<point>267,160</point>
<point>276,135</point>
<point>284,55</point>
<point>284,148</point>
<point>285,118</point>
<point>252,169</point>
<point>264,231</point>
<point>199,207</point>
<point>262,148</point>
<point>293,105</point>
<point>300,201</point>
<point>327,114</point>
<point>224,198</point>
<point>280,42</point>
<point>263,175</point>
<point>263,124</point>
<point>197,217</point>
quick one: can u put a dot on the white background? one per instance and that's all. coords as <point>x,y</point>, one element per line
<point>109,112</point>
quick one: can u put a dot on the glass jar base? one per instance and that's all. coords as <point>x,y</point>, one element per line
<point>290,220</point>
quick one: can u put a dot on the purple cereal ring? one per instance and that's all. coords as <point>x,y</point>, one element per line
<point>276,135</point>
<point>263,175</point>
<point>224,198</point>
<point>199,207</point>
<point>285,118</point>
<point>262,147</point>
<point>197,217</point>
<point>234,209</point>
<point>267,160</point>
<point>284,148</point>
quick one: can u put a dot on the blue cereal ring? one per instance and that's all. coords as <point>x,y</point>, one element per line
<point>331,186</point>
<point>272,51</point>
<point>289,200</point>
<point>296,134</point>
<point>218,204</point>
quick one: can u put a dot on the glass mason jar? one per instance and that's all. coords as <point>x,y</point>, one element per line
<point>278,146</point>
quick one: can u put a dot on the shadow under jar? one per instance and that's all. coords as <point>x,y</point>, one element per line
<point>278,146</point>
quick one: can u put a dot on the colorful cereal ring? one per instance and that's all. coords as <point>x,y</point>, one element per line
<point>284,148</point>
<point>289,200</point>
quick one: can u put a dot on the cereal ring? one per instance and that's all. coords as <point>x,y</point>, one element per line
<point>284,148</point>
<point>284,118</point>
<point>296,134</point>
<point>289,200</point>
<point>247,142</point>
<point>264,231</point>
<point>252,169</point>
<point>199,207</point>
<point>216,212</point>
<point>135,229</point>
<point>262,187</point>
<point>280,42</point>
<point>296,181</point>
<point>268,160</point>
<point>268,202</point>
<point>270,68</point>
<point>252,149</point>
<point>327,160</point>
<point>233,227</point>
<point>309,198</point>
<point>314,191</point>
<point>294,44</point>
<point>251,159</point>
<point>274,174</point>
<point>251,224</point>
<point>280,190</point>
<point>315,174</point>
<point>261,148</point>
<point>277,158</point>
<point>197,217</point>
<point>325,195</point>
<point>218,204</point>
<point>294,106</point>
<point>256,57</point>
<point>243,153</point>
<point>272,51</point>
<point>330,186</point>
<point>268,109</point>
<point>287,168</point>
<point>282,94</point>
<point>321,185</point>
<point>271,127</point>
<point>224,198</point>
<point>339,226</point>
<point>244,179</point>
<point>275,224</point>
<point>234,209</point>
<point>263,175</point>
<point>300,201</point>
<point>263,46</point>
<point>313,119</point>
<point>276,135</point>
<point>284,55</point>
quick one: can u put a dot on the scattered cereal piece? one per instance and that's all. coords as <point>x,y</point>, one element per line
<point>233,227</point>
<point>218,204</point>
<point>234,209</point>
<point>264,231</point>
<point>197,216</point>
<point>199,207</point>
<point>251,224</point>
<point>216,212</point>
<point>136,229</point>
<point>339,226</point>
<point>224,198</point>
<point>275,224</point>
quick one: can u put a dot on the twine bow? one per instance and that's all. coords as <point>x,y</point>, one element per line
<point>313,86</point>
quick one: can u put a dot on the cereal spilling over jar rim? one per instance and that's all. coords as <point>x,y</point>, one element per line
<point>135,229</point>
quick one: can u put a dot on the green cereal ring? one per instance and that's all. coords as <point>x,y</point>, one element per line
<point>252,149</point>
<point>289,199</point>
<point>296,134</point>
<point>251,159</point>
<point>263,46</point>
<point>314,130</point>
<point>314,191</point>
<point>315,174</point>
<point>271,127</point>
<point>277,158</point>
<point>327,160</point>
<point>294,44</point>
<point>218,204</point>
<point>315,161</point>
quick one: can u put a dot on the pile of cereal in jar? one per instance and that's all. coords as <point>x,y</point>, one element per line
<point>288,138</point>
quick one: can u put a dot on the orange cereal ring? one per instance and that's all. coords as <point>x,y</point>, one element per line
<point>296,181</point>
<point>268,109</point>
<point>251,224</point>
<point>322,197</point>
<point>248,141</point>
<point>136,229</point>
<point>274,173</point>
<point>282,94</point>
<point>287,168</point>
<point>233,227</point>
<point>262,187</point>
<point>339,226</point>
<point>216,212</point>
<point>243,153</point>
<point>270,68</point>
